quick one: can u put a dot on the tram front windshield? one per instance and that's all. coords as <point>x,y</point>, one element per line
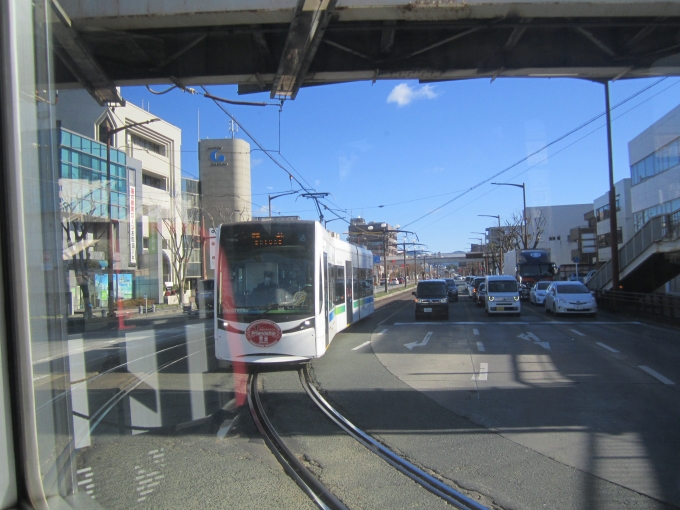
<point>267,271</point>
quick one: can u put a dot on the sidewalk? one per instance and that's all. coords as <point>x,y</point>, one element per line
<point>394,291</point>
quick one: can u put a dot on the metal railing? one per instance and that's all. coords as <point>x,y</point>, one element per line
<point>666,226</point>
<point>658,305</point>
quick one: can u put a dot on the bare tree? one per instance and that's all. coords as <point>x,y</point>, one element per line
<point>78,219</point>
<point>182,234</point>
<point>514,232</point>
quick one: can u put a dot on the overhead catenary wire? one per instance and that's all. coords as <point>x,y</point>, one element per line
<point>522,160</point>
<point>555,153</point>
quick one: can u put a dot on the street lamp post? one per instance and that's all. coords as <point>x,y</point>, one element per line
<point>524,199</point>
<point>500,247</point>
<point>326,222</point>
<point>272,197</point>
<point>481,243</point>
<point>109,231</point>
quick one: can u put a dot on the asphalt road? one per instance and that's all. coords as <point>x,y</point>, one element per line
<point>532,411</point>
<point>517,412</point>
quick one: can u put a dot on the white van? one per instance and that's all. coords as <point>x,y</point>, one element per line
<point>502,295</point>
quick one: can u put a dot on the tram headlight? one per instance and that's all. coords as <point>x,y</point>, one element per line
<point>490,298</point>
<point>516,298</point>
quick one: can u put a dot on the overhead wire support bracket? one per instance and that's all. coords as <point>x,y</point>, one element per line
<point>316,196</point>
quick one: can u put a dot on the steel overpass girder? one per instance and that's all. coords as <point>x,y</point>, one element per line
<point>306,31</point>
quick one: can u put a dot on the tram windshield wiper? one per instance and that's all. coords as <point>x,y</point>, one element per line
<point>267,309</point>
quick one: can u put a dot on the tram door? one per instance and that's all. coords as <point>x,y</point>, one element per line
<point>348,292</point>
<point>326,295</point>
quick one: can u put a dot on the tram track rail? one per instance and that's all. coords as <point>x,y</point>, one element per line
<point>314,488</point>
<point>316,491</point>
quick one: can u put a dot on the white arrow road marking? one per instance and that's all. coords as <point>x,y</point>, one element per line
<point>480,347</point>
<point>656,375</point>
<point>475,332</point>
<point>483,373</point>
<point>423,342</point>
<point>530,337</point>
<point>360,346</point>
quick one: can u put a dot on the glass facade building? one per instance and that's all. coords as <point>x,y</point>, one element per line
<point>83,178</point>
<point>659,161</point>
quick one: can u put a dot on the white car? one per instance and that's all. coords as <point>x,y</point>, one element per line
<point>569,298</point>
<point>537,294</point>
<point>502,295</point>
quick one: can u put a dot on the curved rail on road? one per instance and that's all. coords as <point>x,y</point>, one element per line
<point>296,470</point>
<point>452,496</point>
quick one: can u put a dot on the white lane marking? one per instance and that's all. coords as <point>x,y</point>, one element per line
<point>393,314</point>
<point>360,346</point>
<point>483,373</point>
<point>480,347</point>
<point>383,332</point>
<point>475,332</point>
<point>224,430</point>
<point>422,343</point>
<point>577,332</point>
<point>545,345</point>
<point>610,349</point>
<point>656,375</point>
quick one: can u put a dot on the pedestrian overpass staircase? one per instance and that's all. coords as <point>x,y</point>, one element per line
<point>648,260</point>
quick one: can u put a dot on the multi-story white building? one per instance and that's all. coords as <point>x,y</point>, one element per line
<point>152,181</point>
<point>654,158</point>
<point>624,219</point>
<point>553,224</point>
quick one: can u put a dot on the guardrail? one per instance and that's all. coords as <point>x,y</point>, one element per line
<point>666,226</point>
<point>658,305</point>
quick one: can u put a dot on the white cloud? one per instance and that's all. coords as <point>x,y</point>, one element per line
<point>404,94</point>
<point>255,162</point>
<point>317,182</point>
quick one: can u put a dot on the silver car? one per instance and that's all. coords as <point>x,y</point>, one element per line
<point>569,298</point>
<point>537,294</point>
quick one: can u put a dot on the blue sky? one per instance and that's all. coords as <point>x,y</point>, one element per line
<point>395,143</point>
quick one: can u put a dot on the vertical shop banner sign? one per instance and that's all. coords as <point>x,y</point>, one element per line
<point>132,221</point>
<point>153,238</point>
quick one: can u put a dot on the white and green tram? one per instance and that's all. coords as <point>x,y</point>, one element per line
<point>285,288</point>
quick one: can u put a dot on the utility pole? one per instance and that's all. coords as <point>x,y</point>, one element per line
<point>613,224</point>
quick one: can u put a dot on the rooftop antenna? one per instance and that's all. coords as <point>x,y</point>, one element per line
<point>233,128</point>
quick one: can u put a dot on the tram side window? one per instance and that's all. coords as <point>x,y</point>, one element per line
<point>329,286</point>
<point>369,281</point>
<point>339,285</point>
<point>321,289</point>
<point>355,283</point>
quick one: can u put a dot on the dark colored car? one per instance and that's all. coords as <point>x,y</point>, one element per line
<point>432,299</point>
<point>524,291</point>
<point>453,289</point>
<point>475,285</point>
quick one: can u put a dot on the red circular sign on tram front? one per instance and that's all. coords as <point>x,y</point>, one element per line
<point>263,333</point>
